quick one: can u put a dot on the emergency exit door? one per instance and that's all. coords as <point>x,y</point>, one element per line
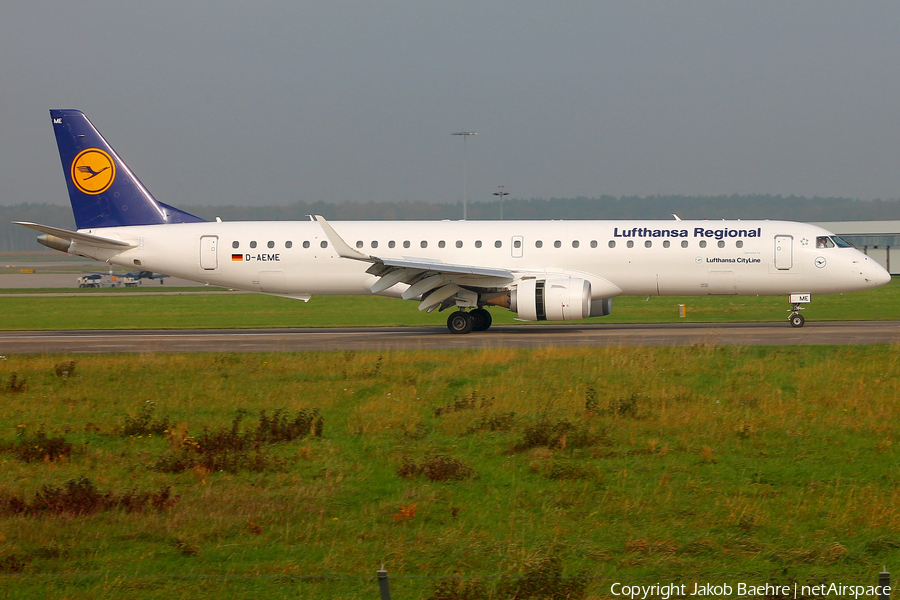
<point>518,246</point>
<point>209,245</point>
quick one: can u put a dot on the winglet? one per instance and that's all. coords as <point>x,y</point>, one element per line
<point>343,248</point>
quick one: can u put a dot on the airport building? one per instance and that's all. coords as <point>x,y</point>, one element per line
<point>878,239</point>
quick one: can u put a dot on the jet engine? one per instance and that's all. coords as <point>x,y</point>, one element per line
<point>563,299</point>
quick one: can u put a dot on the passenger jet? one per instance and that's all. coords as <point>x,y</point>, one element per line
<point>540,270</point>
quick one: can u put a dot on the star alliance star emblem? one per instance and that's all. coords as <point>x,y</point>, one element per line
<point>804,242</point>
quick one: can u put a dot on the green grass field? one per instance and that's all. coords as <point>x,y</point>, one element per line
<point>469,474</point>
<point>223,310</point>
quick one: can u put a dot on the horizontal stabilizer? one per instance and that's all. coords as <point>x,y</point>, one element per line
<point>83,238</point>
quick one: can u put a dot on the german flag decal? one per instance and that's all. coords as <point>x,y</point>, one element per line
<point>237,257</point>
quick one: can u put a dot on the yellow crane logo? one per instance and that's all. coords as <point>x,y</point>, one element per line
<point>93,171</point>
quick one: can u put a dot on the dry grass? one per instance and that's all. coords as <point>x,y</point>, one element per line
<point>614,463</point>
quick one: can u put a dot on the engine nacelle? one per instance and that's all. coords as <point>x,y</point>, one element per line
<point>601,307</point>
<point>564,299</point>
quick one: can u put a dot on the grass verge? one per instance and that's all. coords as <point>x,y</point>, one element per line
<point>224,310</point>
<point>469,474</point>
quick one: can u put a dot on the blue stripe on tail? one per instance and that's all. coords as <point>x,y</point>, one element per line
<point>103,190</point>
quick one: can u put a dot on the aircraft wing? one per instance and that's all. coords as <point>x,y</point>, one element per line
<point>438,282</point>
<point>444,267</point>
<point>74,236</point>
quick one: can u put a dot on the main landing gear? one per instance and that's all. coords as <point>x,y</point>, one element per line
<point>465,322</point>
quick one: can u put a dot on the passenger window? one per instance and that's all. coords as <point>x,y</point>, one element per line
<point>374,244</point>
<point>517,244</point>
<point>684,243</point>
<point>539,244</point>
<point>271,244</point>
<point>824,242</point>
<point>478,243</point>
<point>442,244</point>
<point>630,244</point>
<point>406,244</point>
<point>557,244</point>
<point>703,243</point>
<point>721,243</point>
<point>235,244</point>
<point>498,244</point>
<point>666,244</point>
<point>459,243</point>
<point>593,243</point>
<point>575,243</point>
<point>323,244</point>
<point>359,243</point>
<point>289,244</point>
<point>739,244</point>
<point>612,243</point>
<point>391,244</point>
<point>647,244</point>
<point>253,244</point>
<point>423,244</point>
<point>306,244</point>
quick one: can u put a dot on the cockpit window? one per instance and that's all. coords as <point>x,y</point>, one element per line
<point>823,241</point>
<point>841,242</point>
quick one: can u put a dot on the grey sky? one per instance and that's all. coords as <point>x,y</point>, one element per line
<point>271,102</point>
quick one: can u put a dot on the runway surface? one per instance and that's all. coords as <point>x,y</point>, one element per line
<point>438,338</point>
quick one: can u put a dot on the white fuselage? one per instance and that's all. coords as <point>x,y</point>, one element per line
<point>617,257</point>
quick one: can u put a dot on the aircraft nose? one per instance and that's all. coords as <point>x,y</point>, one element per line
<point>875,274</point>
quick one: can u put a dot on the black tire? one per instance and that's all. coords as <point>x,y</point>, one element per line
<point>797,320</point>
<point>460,322</point>
<point>482,319</point>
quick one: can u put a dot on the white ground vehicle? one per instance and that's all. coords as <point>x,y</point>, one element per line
<point>90,281</point>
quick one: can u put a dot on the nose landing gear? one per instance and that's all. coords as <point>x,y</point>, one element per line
<point>795,318</point>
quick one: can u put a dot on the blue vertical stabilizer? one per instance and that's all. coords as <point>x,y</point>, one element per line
<point>103,190</point>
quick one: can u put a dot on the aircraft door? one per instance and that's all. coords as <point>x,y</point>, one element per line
<point>784,252</point>
<point>272,282</point>
<point>209,245</point>
<point>722,283</point>
<point>518,246</point>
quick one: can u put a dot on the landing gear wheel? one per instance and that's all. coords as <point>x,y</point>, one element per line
<point>796,319</point>
<point>460,322</point>
<point>481,319</point>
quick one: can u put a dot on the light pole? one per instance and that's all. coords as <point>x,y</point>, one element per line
<point>465,135</point>
<point>501,193</point>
